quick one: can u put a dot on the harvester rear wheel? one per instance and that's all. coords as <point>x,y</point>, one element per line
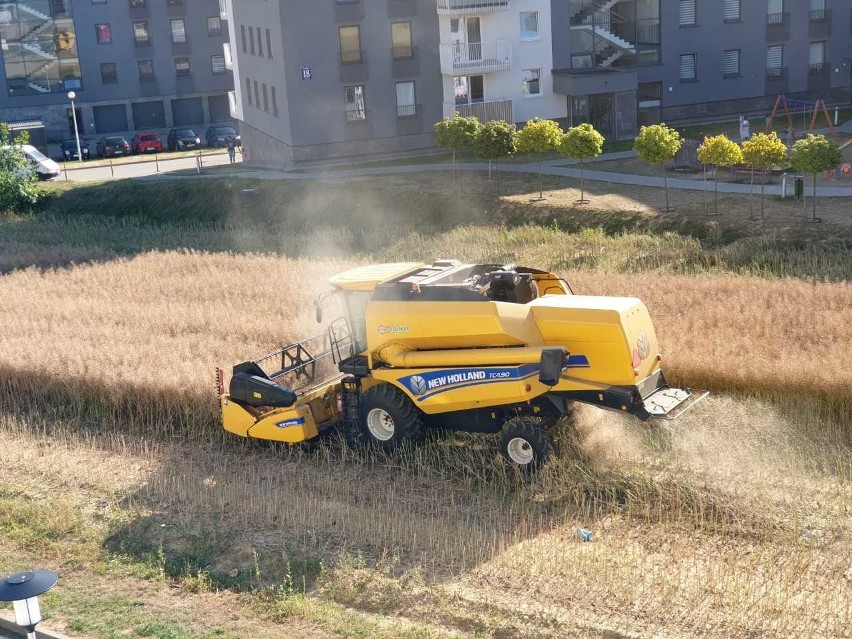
<point>389,418</point>
<point>524,443</point>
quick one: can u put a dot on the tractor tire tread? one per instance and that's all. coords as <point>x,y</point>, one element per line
<point>408,420</point>
<point>529,429</point>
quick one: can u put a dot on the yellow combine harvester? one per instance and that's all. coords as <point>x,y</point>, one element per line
<point>470,347</point>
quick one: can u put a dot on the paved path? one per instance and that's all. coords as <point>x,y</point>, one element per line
<point>558,168</point>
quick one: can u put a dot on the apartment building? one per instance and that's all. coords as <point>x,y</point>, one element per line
<point>624,63</point>
<point>496,58</point>
<point>345,78</point>
<point>133,64</point>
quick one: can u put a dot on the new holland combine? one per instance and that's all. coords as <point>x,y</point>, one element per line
<point>471,347</point>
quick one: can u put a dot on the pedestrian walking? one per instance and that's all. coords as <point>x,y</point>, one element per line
<point>232,150</point>
<point>745,129</point>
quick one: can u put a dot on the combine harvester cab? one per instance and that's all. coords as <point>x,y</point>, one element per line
<point>471,347</point>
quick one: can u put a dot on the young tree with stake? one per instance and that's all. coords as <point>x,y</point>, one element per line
<point>581,142</point>
<point>657,144</point>
<point>763,151</point>
<point>456,133</point>
<point>496,139</point>
<point>539,136</point>
<point>815,154</point>
<point>719,151</point>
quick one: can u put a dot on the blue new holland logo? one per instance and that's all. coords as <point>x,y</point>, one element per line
<point>298,421</point>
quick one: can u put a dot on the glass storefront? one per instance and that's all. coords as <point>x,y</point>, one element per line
<point>39,47</point>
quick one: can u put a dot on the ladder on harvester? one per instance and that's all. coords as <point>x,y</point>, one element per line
<point>350,419</point>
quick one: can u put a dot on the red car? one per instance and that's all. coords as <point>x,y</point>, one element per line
<point>145,142</point>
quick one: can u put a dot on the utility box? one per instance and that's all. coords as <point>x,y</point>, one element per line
<point>799,186</point>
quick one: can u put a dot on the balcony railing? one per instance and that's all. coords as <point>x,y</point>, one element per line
<point>776,18</point>
<point>484,111</point>
<point>472,58</point>
<point>816,15</point>
<point>229,56</point>
<point>774,72</point>
<point>461,7</point>
<point>815,68</point>
<point>406,110</point>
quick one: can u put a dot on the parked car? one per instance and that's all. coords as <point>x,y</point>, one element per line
<point>69,149</point>
<point>146,142</point>
<point>182,140</point>
<point>217,135</point>
<point>112,146</point>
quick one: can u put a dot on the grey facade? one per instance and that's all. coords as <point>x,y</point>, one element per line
<point>138,70</point>
<point>334,103</point>
<point>694,60</point>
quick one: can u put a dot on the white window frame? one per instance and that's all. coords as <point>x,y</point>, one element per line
<point>525,87</point>
<point>406,109</point>
<point>529,36</point>
<point>733,11</point>
<point>179,33</point>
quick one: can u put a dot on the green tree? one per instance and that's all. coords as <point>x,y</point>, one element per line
<point>18,191</point>
<point>719,151</point>
<point>815,154</point>
<point>580,143</point>
<point>657,144</point>
<point>763,151</point>
<point>539,136</point>
<point>456,133</point>
<point>494,140</point>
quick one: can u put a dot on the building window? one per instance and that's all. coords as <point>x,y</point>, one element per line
<point>256,94</point>
<point>268,45</point>
<point>816,57</point>
<point>140,33</point>
<point>469,89</point>
<point>817,11</point>
<point>265,98</point>
<point>401,40</point>
<point>775,12</point>
<point>532,81</point>
<point>775,60</point>
<point>243,36</point>
<point>406,105</point>
<point>99,1</point>
<point>178,31</point>
<point>529,25</point>
<point>731,63</point>
<point>103,33</point>
<point>251,40</point>
<point>182,66</point>
<point>214,26</point>
<point>109,75</point>
<point>274,102</point>
<point>146,70</point>
<point>689,67</point>
<point>259,43</point>
<point>356,109</point>
<point>687,13</point>
<point>248,90</point>
<point>650,98</point>
<point>732,10</point>
<point>350,44</point>
<point>217,62</point>
<point>175,3</point>
<point>137,4</point>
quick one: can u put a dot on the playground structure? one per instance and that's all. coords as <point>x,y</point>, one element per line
<point>818,106</point>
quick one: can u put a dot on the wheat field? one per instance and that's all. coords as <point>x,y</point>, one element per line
<point>731,522</point>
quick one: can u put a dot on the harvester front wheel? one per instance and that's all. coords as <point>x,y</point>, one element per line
<point>390,419</point>
<point>524,443</point>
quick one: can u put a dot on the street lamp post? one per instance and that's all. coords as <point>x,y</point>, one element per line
<point>71,96</point>
<point>23,589</point>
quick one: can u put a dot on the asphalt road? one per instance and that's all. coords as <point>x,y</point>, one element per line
<point>140,169</point>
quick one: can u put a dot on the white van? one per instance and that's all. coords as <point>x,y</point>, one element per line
<point>44,166</point>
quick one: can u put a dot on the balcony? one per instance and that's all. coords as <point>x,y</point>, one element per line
<point>229,56</point>
<point>484,111</point>
<point>819,77</point>
<point>462,7</point>
<point>777,26</point>
<point>475,58</point>
<point>777,80</point>
<point>819,23</point>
